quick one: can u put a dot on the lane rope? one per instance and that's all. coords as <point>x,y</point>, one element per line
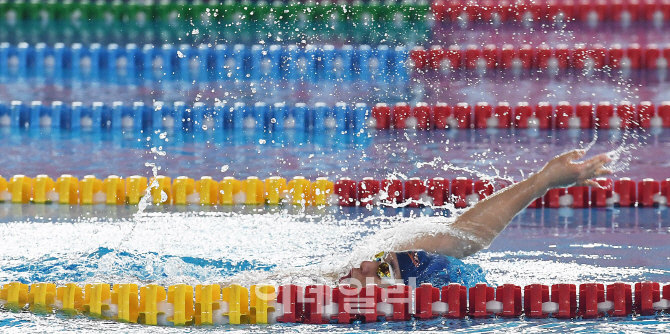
<point>461,192</point>
<point>184,305</point>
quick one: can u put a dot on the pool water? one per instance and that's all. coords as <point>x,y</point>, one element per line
<point>279,245</point>
<point>248,245</point>
<point>192,244</point>
<point>510,154</point>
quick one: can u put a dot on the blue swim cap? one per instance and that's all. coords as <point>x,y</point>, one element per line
<point>417,267</point>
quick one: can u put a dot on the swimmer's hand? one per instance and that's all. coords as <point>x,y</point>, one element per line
<point>564,171</point>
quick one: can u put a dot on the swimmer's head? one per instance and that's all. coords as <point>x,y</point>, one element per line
<point>382,270</point>
<point>411,268</point>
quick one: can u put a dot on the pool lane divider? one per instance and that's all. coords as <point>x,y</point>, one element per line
<point>505,115</point>
<point>457,12</point>
<point>218,12</point>
<point>315,63</point>
<point>460,192</point>
<point>185,305</point>
<point>528,57</point>
<point>591,12</point>
<point>268,117</point>
<point>198,117</point>
<point>205,62</point>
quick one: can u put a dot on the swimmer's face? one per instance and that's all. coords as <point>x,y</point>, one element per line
<point>367,272</point>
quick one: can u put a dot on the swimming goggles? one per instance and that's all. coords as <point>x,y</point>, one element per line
<point>384,271</point>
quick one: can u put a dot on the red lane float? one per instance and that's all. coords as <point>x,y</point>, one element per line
<point>543,56</point>
<point>592,300</point>
<point>509,297</point>
<point>483,189</point>
<point>522,113</point>
<point>552,199</point>
<point>463,192</point>
<point>345,189</point>
<point>565,298</point>
<point>645,114</point>
<point>318,308</point>
<point>503,115</point>
<point>535,301</point>
<point>665,192</point>
<point>288,298</point>
<point>626,113</point>
<point>368,190</point>
<point>621,296</point>
<point>462,114</point>
<point>399,297</point>
<point>648,192</point>
<point>564,115</point>
<point>604,112</point>
<point>664,114</point>
<point>443,117</point>
<point>624,192</point>
<point>381,113</point>
<point>589,11</point>
<point>455,297</point>
<point>415,191</point>
<point>358,304</point>
<point>438,190</point>
<point>401,112</point>
<point>480,295</point>
<point>426,295</point>
<point>483,113</point>
<point>543,116</point>
<point>602,196</point>
<point>584,113</point>
<point>538,203</point>
<point>391,191</point>
<point>423,116</point>
<point>647,295</point>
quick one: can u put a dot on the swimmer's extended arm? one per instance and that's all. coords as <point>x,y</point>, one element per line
<point>486,219</point>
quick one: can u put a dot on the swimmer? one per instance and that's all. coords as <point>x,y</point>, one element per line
<point>432,257</point>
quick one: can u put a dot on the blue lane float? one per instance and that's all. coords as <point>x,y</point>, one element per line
<point>204,63</point>
<point>138,116</point>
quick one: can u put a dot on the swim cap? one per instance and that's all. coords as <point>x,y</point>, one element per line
<point>417,267</point>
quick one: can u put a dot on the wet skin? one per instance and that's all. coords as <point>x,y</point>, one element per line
<point>367,272</point>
